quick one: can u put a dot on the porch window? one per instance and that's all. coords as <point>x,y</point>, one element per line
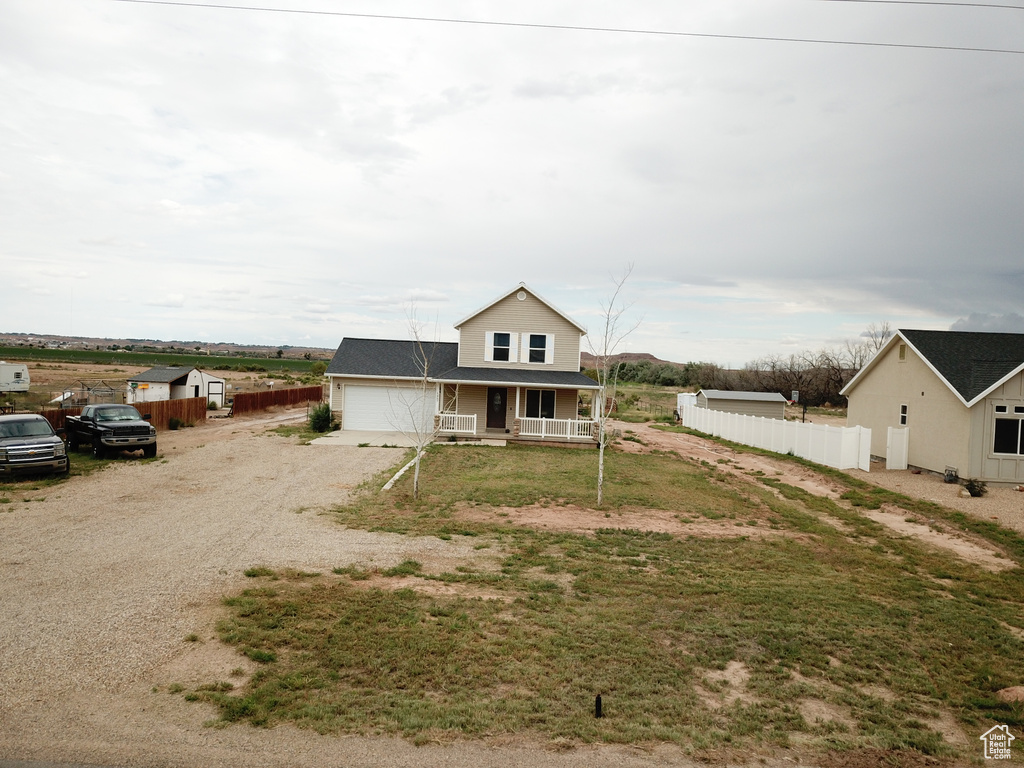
<point>540,403</point>
<point>1008,437</point>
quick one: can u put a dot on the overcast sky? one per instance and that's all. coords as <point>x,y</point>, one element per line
<point>199,173</point>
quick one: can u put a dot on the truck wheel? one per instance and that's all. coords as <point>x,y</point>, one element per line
<point>149,451</point>
<point>97,450</point>
<point>72,442</point>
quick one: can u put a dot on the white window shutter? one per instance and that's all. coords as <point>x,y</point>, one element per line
<point>489,346</point>
<point>524,347</point>
<point>513,347</point>
<point>549,350</point>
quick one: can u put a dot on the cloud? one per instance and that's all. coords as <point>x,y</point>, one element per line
<point>170,300</point>
<point>976,321</point>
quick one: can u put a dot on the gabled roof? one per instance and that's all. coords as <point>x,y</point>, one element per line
<point>541,299</point>
<point>392,359</point>
<point>162,375</point>
<point>971,364</point>
<point>721,394</point>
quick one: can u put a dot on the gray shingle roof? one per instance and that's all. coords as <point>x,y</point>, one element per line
<point>721,394</point>
<point>383,358</point>
<point>971,362</point>
<point>388,358</point>
<point>162,375</point>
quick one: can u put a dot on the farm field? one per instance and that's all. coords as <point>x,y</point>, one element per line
<point>52,370</point>
<point>124,357</point>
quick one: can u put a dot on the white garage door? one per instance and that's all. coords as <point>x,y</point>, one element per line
<point>388,409</point>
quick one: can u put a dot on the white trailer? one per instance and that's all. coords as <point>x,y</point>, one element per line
<point>13,377</point>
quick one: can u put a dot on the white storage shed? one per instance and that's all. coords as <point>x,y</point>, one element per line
<point>770,405</point>
<point>175,384</point>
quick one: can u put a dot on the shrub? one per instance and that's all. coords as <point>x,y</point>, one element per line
<point>976,487</point>
<point>175,423</point>
<point>212,405</point>
<point>320,418</point>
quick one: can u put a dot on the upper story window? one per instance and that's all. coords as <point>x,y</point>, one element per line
<point>509,347</point>
<point>502,346</point>
<point>903,351</point>
<point>903,415</point>
<point>538,347</point>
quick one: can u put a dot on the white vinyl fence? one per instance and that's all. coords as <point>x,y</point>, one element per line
<point>839,447</point>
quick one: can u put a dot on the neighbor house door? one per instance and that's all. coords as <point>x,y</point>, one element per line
<point>496,397</point>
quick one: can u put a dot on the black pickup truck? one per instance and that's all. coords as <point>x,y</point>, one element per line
<point>111,429</point>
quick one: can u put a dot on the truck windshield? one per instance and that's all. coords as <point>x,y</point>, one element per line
<point>27,428</point>
<point>123,413</point>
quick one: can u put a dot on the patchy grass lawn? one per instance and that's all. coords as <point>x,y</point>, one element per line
<point>828,637</point>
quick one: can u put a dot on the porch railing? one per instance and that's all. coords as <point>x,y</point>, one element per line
<point>457,423</point>
<point>566,429</point>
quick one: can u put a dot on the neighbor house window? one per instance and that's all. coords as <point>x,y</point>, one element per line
<point>1008,437</point>
<point>903,415</point>
<point>1009,431</point>
<point>540,403</point>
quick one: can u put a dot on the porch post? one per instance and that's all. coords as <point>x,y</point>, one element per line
<point>517,402</point>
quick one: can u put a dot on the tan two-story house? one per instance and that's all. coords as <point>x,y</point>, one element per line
<point>514,374</point>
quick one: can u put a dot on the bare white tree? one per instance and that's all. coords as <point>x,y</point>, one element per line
<point>876,335</point>
<point>413,408</point>
<point>615,330</point>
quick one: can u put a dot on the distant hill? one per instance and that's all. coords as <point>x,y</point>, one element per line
<point>587,360</point>
<point>154,345</point>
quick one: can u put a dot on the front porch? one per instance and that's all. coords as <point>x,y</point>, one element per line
<point>535,413</point>
<point>526,429</point>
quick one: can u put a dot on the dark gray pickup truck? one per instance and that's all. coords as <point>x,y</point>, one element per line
<point>110,429</point>
<point>28,445</point>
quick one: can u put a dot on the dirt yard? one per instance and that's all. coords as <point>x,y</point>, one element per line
<point>112,585</point>
<point>1003,504</point>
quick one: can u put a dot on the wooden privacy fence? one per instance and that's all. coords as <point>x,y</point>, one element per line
<point>190,411</point>
<point>839,447</point>
<point>57,416</point>
<point>247,402</point>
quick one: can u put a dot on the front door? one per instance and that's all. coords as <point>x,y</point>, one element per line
<point>496,397</point>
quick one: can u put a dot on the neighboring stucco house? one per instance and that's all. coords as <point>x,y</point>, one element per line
<point>769,405</point>
<point>514,373</point>
<point>960,395</point>
<point>175,383</point>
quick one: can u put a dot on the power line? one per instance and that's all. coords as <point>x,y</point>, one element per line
<point>930,2</point>
<point>579,28</point>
